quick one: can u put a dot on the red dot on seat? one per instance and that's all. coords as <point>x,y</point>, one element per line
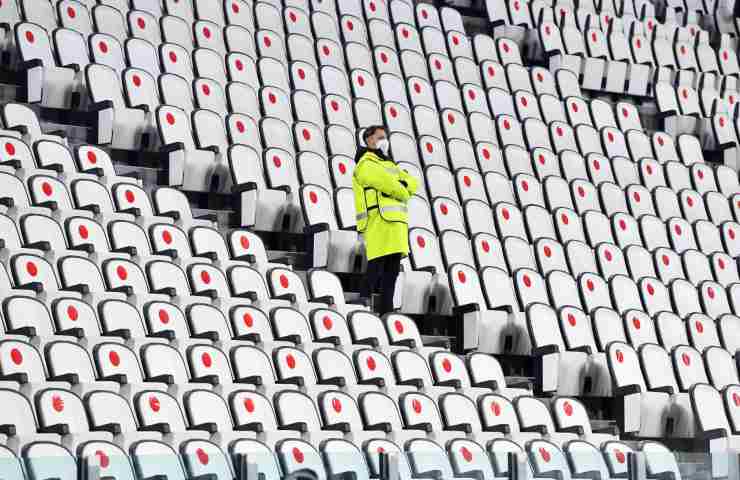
<point>29,36</point>
<point>313,197</point>
<point>581,192</point>
<point>623,225</point>
<point>326,50</point>
<point>57,403</point>
<point>72,313</point>
<point>293,17</point>
<point>32,269</point>
<point>461,276</point>
<point>141,23</point>
<point>306,134</point>
<point>527,281</point>
<point>267,41</point>
<point>525,185</point>
<point>451,118</point>
<point>686,359</point>
<point>564,218</point>
<point>541,159</point>
<point>405,33</point>
<point>206,89</point>
<point>491,72</point>
<point>336,404</point>
<point>240,65</point>
<point>620,456</point>
<point>597,165</point>
<point>248,320</point>
<point>590,285</point>
<point>660,140</point>
<point>572,320</point>
<point>677,229</point>
<point>547,251</point>
<point>370,363</point>
<point>685,93</point>
<point>559,131</point>
<point>699,327</point>
<point>649,169</point>
<point>496,408</point>
<point>455,40</point>
<point>710,292</point>
<point>284,281</point>
<point>636,196</point>
<point>290,361</point>
<point>485,245</point>
<point>16,356</point>
<point>235,7</point>
<point>130,197</point>
<point>574,106</point>
<point>416,405</point>
<point>505,214</point>
<point>568,408</point>
<point>438,64</point>
<point>137,80</point>
<point>638,43</point>
<point>46,188</point>
<point>636,322</point>
<point>383,57</point>
<point>154,403</point>
<point>430,147</point>
<point>417,87</point>
<point>545,455</point>
<point>650,290</point>
<point>608,255</point>
<point>471,94</point>
<point>103,47</point>
<point>272,98</point>
<point>114,358</point>
<point>335,105</point>
<point>700,173</point>
<point>10,148</point>
<point>666,260</point>
<point>240,126</point>
<point>71,12</point>
<point>507,125</point>
<point>249,405</point>
<point>202,456</point>
<point>173,57</point>
<point>721,264</point>
<point>167,236</point>
<point>443,208</point>
<point>205,276</point>
<point>297,455</point>
<point>276,161</point>
<point>736,399</point>
<point>424,14</point>
<point>350,25</point>
<point>447,365</point>
<point>420,241</point>
<point>170,119</point>
<point>625,112</point>
<point>206,359</point>
<point>466,454</point>
<point>121,272</point>
<point>524,101</point>
<point>506,47</point>
<point>328,324</point>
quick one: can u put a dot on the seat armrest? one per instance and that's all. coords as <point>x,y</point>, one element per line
<point>211,217</point>
<point>119,378</point>
<point>454,383</point>
<point>577,429</point>
<point>583,348</point>
<point>210,293</point>
<point>286,296</point>
<point>26,331</point>
<point>503,428</point>
<point>172,147</point>
<point>163,428</point>
<point>129,250</point>
<point>338,427</point>
<point>167,379</point>
<point>336,381</point>
<point>81,288</point>
<point>255,427</point>
<point>169,291</point>
<point>60,429</point>
<point>412,382</point>
<point>383,427</point>
<point>541,429</point>
<point>212,256</point>
<point>378,382</point>
<point>326,299</point>
<point>489,384</point>
<point>545,350</point>
<point>209,427</point>
<point>112,428</point>
<point>243,187</point>
<point>467,308</point>
<point>297,426</point>
<point>247,257</point>
<point>461,427</point>
<point>173,214</point>
<point>20,377</point>
<point>425,426</point>
<point>127,290</point>
<point>209,379</point>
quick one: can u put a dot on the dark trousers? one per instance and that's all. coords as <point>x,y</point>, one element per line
<point>382,273</point>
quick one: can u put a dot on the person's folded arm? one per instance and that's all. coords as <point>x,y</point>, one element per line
<point>370,174</point>
<point>411,182</point>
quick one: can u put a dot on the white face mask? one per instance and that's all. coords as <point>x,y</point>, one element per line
<point>384,146</point>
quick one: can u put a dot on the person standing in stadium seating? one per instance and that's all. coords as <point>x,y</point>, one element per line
<point>381,191</point>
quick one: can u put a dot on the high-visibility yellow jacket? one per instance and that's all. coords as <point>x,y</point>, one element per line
<point>381,191</point>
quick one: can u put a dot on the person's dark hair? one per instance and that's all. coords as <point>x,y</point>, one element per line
<point>370,131</point>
